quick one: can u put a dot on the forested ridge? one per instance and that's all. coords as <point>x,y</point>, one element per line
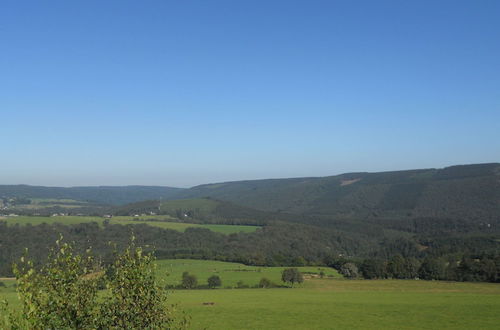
<point>466,191</point>
<point>113,195</point>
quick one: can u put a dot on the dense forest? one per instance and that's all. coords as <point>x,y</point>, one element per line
<point>276,244</point>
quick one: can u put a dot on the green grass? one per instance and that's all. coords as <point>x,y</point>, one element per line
<point>37,203</point>
<point>342,304</point>
<point>230,273</point>
<point>331,303</point>
<point>127,220</point>
<point>9,293</point>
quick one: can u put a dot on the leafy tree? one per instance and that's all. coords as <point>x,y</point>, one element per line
<point>189,281</point>
<point>265,283</point>
<point>292,275</point>
<point>412,266</point>
<point>299,261</point>
<point>489,271</point>
<point>62,294</point>
<point>214,281</point>
<point>373,268</point>
<point>136,301</point>
<point>349,270</point>
<point>432,269</point>
<point>396,267</point>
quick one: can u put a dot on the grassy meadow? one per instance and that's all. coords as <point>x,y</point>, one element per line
<point>328,303</point>
<point>347,304</point>
<point>40,203</point>
<point>170,272</point>
<point>128,220</point>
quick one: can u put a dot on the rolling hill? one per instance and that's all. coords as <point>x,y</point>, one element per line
<point>101,195</point>
<point>470,192</point>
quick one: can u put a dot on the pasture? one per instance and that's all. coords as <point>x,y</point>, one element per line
<point>334,303</point>
<point>328,302</point>
<point>170,272</point>
<point>128,220</point>
<point>347,304</point>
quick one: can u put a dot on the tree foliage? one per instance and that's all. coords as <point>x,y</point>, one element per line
<point>265,283</point>
<point>292,276</point>
<point>189,281</point>
<point>63,294</point>
<point>349,270</point>
<point>214,281</point>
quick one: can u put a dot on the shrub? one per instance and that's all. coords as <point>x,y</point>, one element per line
<point>292,275</point>
<point>241,285</point>
<point>214,281</point>
<point>265,283</point>
<point>62,294</point>
<point>349,270</point>
<point>189,281</point>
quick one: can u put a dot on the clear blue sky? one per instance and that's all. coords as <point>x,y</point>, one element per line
<point>187,92</point>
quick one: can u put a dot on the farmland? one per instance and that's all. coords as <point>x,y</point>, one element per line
<point>325,303</point>
<point>170,271</point>
<point>343,304</point>
<point>161,221</point>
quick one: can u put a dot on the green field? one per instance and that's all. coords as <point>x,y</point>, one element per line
<point>329,303</point>
<point>170,271</point>
<point>344,304</point>
<point>40,203</point>
<point>128,220</point>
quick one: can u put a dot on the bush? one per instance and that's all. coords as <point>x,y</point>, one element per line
<point>349,270</point>
<point>292,275</point>
<point>241,285</point>
<point>62,294</point>
<point>265,283</point>
<point>189,281</point>
<point>214,281</point>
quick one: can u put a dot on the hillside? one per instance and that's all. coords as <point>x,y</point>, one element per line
<point>199,210</point>
<point>101,195</point>
<point>470,192</point>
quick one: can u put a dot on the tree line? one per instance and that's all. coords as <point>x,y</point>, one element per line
<point>484,268</point>
<point>465,258</point>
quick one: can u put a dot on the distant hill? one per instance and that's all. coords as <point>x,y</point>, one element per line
<point>100,195</point>
<point>464,192</point>
<point>469,193</point>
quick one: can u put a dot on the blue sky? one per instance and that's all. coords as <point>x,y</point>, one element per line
<point>187,92</point>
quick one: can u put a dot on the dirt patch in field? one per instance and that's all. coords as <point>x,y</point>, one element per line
<point>348,182</point>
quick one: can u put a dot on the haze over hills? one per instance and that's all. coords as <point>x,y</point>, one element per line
<point>112,195</point>
<point>465,192</point>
